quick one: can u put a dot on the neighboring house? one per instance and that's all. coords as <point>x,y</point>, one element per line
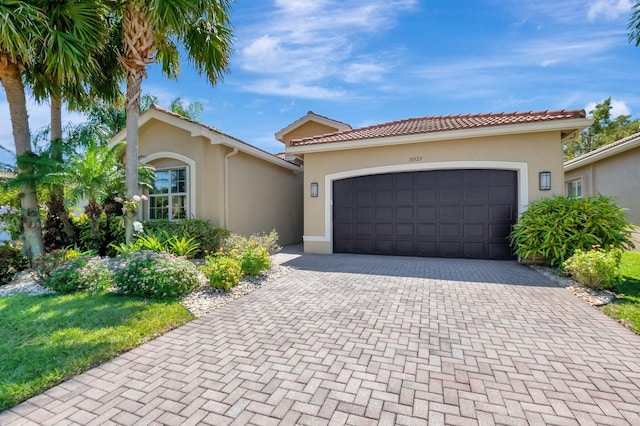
<point>612,170</point>
<point>5,235</point>
<point>447,186</point>
<point>204,173</point>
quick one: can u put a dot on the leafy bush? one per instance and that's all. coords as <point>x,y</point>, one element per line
<point>207,236</point>
<point>222,270</point>
<point>555,228</point>
<point>12,261</point>
<point>595,268</point>
<point>150,274</point>
<point>111,233</point>
<point>238,242</point>
<point>254,260</point>
<point>44,265</point>
<point>80,273</point>
<point>162,243</point>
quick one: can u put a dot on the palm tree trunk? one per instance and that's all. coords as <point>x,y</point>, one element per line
<point>139,50</point>
<point>11,77</point>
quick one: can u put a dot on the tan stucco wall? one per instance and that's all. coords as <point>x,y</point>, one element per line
<point>541,152</point>
<point>310,128</point>
<point>262,196</point>
<point>617,176</point>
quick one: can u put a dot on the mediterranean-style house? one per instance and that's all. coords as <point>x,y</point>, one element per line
<point>612,170</point>
<point>445,186</point>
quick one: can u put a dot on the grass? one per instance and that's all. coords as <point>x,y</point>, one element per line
<point>627,307</point>
<point>45,340</point>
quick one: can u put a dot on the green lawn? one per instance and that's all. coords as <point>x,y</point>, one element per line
<point>47,339</point>
<point>627,307</point>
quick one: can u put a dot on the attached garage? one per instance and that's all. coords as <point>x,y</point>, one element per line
<point>444,186</point>
<point>437,213</point>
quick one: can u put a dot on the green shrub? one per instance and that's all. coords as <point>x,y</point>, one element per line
<point>111,233</point>
<point>150,274</point>
<point>595,268</point>
<point>223,270</point>
<point>238,242</point>
<point>44,265</point>
<point>80,273</point>
<point>555,228</point>
<point>207,236</point>
<point>161,243</point>
<point>12,261</point>
<point>254,260</point>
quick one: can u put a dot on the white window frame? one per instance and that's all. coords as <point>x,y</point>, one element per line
<point>170,194</point>
<point>577,183</point>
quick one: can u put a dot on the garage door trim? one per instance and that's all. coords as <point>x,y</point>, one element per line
<point>327,191</point>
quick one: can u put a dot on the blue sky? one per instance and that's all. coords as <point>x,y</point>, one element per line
<point>367,62</point>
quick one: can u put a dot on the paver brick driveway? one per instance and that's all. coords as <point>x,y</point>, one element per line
<point>371,340</point>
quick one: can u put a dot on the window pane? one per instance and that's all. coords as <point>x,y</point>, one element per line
<point>158,207</point>
<point>161,185</point>
<point>178,180</point>
<point>178,209</point>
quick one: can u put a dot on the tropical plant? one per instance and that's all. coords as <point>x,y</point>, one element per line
<point>634,24</point>
<point>152,30</point>
<point>12,261</point>
<point>254,260</point>
<point>596,268</point>
<point>80,273</point>
<point>207,236</point>
<point>223,270</point>
<point>239,242</point>
<point>150,274</point>
<point>23,26</point>
<point>555,228</point>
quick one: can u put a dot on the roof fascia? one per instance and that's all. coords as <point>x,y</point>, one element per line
<point>559,125</point>
<point>311,117</point>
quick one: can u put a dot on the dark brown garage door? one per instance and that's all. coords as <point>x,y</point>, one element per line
<point>437,213</point>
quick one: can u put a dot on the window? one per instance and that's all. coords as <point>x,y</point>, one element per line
<point>168,198</point>
<point>574,188</point>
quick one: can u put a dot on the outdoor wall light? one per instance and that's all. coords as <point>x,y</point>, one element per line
<point>545,181</point>
<point>314,189</point>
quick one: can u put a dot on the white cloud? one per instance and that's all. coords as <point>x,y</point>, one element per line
<point>548,62</point>
<point>617,107</point>
<point>316,45</point>
<point>608,9</point>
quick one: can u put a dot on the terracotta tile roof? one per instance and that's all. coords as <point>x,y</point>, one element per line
<point>444,123</point>
<point>603,149</point>
<point>166,111</point>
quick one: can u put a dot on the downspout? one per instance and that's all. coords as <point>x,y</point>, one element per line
<point>226,186</point>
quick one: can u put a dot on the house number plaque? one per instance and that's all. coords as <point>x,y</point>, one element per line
<point>415,159</point>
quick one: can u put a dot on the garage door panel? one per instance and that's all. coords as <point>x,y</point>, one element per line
<point>404,213</point>
<point>404,230</point>
<point>405,196</point>
<point>427,230</point>
<point>426,213</point>
<point>364,213</point>
<point>426,195</point>
<point>446,213</point>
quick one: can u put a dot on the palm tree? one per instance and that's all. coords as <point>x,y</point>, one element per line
<point>152,30</point>
<point>21,27</point>
<point>634,24</point>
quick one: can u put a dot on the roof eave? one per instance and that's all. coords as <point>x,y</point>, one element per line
<point>311,117</point>
<point>618,149</point>
<point>199,130</point>
<point>555,125</point>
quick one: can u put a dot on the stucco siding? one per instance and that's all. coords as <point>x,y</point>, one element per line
<point>263,197</point>
<point>617,176</point>
<point>527,153</point>
<point>310,128</point>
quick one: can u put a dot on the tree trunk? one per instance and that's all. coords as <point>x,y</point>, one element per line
<point>139,50</point>
<point>11,77</point>
<point>59,214</point>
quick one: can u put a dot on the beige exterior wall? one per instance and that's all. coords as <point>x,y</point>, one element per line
<point>617,176</point>
<point>310,128</point>
<point>262,196</point>
<point>527,153</point>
